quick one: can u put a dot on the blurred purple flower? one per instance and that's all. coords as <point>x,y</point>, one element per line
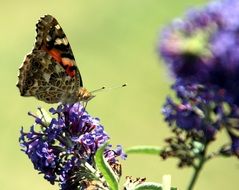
<point>202,52</point>
<point>190,113</point>
<point>204,47</point>
<point>235,146</point>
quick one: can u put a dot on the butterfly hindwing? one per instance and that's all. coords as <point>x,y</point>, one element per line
<point>41,76</point>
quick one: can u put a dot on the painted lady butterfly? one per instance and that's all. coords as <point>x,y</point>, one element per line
<point>49,72</point>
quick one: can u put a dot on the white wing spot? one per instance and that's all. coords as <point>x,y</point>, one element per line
<point>48,38</point>
<point>59,41</point>
<point>65,41</point>
<point>57,26</point>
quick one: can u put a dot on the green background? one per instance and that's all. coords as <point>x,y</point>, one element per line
<point>113,42</point>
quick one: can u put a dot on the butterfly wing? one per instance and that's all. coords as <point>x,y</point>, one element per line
<point>49,72</point>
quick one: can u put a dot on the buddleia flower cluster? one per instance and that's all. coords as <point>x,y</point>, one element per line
<point>62,148</point>
<point>202,53</point>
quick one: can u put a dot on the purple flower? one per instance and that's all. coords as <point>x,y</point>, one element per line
<point>196,119</point>
<point>202,52</point>
<point>235,146</point>
<point>234,135</point>
<point>63,148</point>
<point>204,47</point>
<point>193,113</point>
<point>111,155</point>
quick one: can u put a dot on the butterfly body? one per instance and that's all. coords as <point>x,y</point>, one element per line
<point>49,72</point>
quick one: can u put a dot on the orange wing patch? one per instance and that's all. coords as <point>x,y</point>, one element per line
<point>56,55</point>
<point>67,63</point>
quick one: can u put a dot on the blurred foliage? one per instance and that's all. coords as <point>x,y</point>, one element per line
<point>113,42</point>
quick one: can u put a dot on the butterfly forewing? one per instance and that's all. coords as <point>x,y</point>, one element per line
<point>49,72</point>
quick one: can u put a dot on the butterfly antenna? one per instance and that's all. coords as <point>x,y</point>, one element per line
<point>101,90</point>
<point>98,90</point>
<point>104,88</point>
<point>123,85</point>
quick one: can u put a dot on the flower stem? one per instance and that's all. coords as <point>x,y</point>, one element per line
<point>197,170</point>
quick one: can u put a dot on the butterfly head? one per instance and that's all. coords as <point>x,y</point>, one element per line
<point>84,95</point>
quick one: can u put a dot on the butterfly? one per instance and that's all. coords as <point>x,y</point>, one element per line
<point>49,72</point>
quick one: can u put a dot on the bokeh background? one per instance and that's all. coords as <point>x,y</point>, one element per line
<point>113,42</point>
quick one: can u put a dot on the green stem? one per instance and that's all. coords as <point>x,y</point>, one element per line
<point>197,170</point>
